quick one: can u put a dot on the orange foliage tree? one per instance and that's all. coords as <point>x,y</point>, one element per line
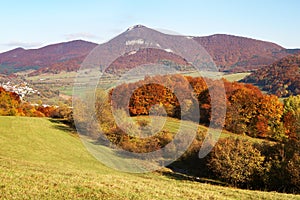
<point>249,111</point>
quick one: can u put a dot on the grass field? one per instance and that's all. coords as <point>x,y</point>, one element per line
<point>235,76</point>
<point>173,124</point>
<point>42,159</point>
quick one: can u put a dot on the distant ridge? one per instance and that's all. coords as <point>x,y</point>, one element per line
<point>240,54</point>
<point>230,53</point>
<point>51,56</point>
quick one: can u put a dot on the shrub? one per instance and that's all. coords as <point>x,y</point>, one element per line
<point>235,161</point>
<point>284,161</point>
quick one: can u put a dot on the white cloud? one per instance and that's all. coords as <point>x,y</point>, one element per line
<point>166,31</point>
<point>23,44</point>
<point>83,35</point>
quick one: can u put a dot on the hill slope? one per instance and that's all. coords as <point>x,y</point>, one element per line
<point>230,53</point>
<point>46,161</point>
<point>240,54</point>
<point>66,53</point>
<point>282,78</point>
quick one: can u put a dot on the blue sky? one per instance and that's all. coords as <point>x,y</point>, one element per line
<point>36,23</point>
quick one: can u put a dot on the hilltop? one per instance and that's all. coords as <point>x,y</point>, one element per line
<point>66,56</point>
<point>241,54</point>
<point>230,53</point>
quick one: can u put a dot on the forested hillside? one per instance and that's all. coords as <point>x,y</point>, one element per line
<point>282,78</point>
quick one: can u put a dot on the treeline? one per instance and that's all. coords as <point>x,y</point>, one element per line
<point>11,105</point>
<point>249,111</point>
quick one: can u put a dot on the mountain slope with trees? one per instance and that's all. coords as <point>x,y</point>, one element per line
<point>240,54</point>
<point>281,78</point>
<point>46,57</point>
<point>230,53</point>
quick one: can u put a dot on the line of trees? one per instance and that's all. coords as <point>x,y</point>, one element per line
<point>249,111</point>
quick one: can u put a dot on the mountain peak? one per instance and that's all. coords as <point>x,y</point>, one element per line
<point>13,51</point>
<point>19,49</point>
<point>135,27</point>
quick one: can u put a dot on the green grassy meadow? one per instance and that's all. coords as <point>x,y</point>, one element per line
<point>43,159</point>
<point>236,76</point>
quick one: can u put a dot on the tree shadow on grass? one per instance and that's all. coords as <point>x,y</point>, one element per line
<point>178,175</point>
<point>62,125</point>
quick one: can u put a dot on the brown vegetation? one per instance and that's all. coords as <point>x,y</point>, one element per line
<point>282,78</point>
